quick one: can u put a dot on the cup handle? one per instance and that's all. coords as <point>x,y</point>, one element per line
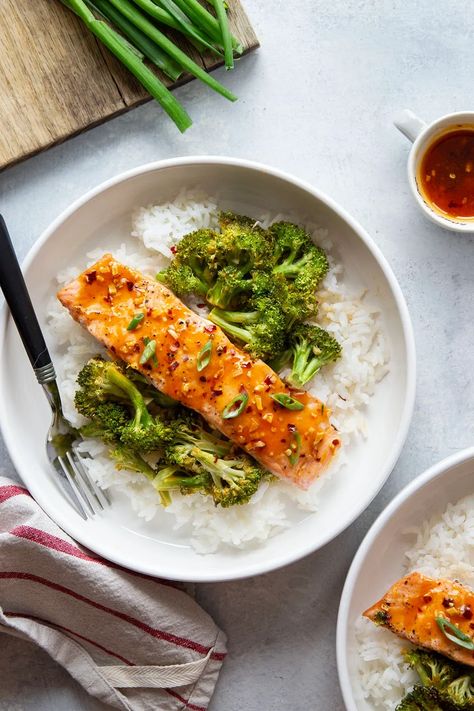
<point>410,125</point>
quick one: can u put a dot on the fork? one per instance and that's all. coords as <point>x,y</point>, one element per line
<point>62,439</point>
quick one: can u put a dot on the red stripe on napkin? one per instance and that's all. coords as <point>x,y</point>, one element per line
<point>6,492</point>
<point>76,634</point>
<point>188,705</point>
<point>43,538</point>
<point>159,634</point>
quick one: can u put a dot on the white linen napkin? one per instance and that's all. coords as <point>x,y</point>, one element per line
<point>133,641</point>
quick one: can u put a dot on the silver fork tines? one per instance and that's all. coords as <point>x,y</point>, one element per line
<point>61,448</point>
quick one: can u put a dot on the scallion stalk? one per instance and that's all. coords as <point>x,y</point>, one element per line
<point>143,24</point>
<point>187,27</point>
<point>120,48</point>
<point>203,19</point>
<point>161,14</point>
<point>148,48</point>
<point>225,32</point>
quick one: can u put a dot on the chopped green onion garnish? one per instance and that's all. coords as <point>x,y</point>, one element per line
<point>136,320</point>
<point>457,636</point>
<point>235,406</point>
<point>295,446</point>
<point>148,352</point>
<point>204,356</point>
<point>286,401</point>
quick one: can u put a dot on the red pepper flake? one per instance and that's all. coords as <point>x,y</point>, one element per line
<point>249,409</point>
<point>173,249</point>
<point>291,427</point>
<point>268,380</point>
<point>336,442</point>
<point>217,392</point>
<point>91,277</point>
<point>108,299</point>
<point>174,365</point>
<point>185,358</point>
<point>210,328</point>
<point>248,364</point>
<point>447,602</point>
<point>130,285</point>
<point>242,388</point>
<point>427,598</point>
<point>467,612</point>
<point>201,306</point>
<point>202,378</point>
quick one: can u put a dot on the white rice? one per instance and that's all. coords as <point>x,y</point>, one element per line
<point>443,546</point>
<point>345,386</point>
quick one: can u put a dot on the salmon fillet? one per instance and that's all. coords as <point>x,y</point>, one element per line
<point>411,606</point>
<point>295,445</point>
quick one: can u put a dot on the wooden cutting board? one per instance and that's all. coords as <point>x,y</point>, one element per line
<point>56,79</point>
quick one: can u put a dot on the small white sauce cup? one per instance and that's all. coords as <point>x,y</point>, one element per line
<point>422,136</point>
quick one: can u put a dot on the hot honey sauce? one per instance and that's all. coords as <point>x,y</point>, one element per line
<point>446,174</point>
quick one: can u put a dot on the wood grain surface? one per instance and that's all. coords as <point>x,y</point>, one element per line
<point>57,80</point>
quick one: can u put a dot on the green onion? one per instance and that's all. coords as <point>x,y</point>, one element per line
<point>286,401</point>
<point>140,21</point>
<point>457,636</point>
<point>186,26</point>
<point>136,320</point>
<point>204,356</point>
<point>121,49</point>
<point>148,352</point>
<point>161,14</point>
<point>225,32</point>
<point>235,406</point>
<point>295,446</point>
<point>202,18</point>
<point>148,48</point>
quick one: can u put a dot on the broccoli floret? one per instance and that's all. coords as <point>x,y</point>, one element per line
<point>243,243</point>
<point>297,257</point>
<point>188,431</point>
<point>260,330</point>
<point>422,698</point>
<point>173,478</point>
<point>234,481</point>
<point>231,283</point>
<point>149,392</point>
<point>192,270</point>
<point>101,381</point>
<point>460,693</point>
<point>433,669</point>
<point>312,348</point>
<point>109,419</point>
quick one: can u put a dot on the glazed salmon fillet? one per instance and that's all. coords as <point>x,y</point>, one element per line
<point>293,444</point>
<point>411,606</point>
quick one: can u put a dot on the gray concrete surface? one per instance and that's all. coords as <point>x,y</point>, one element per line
<point>317,100</point>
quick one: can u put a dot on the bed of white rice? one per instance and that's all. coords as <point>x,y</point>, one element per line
<point>443,546</point>
<point>346,386</point>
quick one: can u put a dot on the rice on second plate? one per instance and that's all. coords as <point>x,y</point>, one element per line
<point>346,386</point>
<point>443,547</point>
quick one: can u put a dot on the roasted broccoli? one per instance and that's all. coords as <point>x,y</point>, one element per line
<point>296,256</point>
<point>422,698</point>
<point>433,669</point>
<point>460,693</point>
<point>311,348</point>
<point>100,383</point>
<point>192,270</point>
<point>234,481</point>
<point>261,330</point>
<point>188,431</point>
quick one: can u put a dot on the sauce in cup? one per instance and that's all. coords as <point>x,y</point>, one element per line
<point>446,174</point>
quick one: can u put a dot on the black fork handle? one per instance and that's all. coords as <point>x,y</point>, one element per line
<point>16,295</point>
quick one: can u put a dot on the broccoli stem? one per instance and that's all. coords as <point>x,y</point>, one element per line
<point>124,385</point>
<point>227,320</point>
<point>218,468</point>
<point>289,267</point>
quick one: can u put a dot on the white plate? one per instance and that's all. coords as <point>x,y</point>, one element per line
<point>380,558</point>
<point>102,217</point>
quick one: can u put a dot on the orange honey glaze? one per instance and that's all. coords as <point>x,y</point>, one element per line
<point>446,173</point>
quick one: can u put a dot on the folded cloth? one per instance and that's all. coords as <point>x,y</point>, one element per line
<point>133,641</point>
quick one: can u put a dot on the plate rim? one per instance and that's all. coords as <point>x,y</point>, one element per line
<point>419,482</point>
<point>402,310</point>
